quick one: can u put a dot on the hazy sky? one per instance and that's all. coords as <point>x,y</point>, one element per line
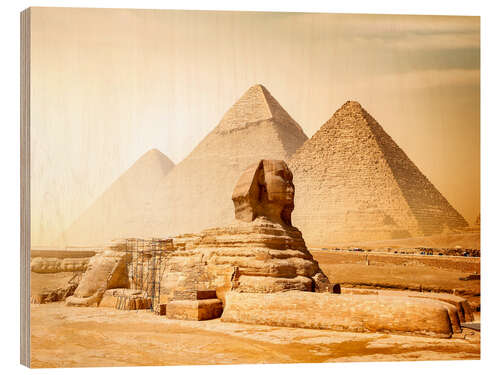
<point>108,85</point>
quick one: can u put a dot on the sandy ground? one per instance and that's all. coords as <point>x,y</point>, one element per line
<point>409,277</point>
<point>390,276</point>
<point>41,282</point>
<point>84,337</point>
<point>87,337</point>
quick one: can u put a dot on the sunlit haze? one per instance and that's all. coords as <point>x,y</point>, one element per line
<point>109,85</point>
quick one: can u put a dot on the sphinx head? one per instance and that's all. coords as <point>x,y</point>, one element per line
<point>265,189</point>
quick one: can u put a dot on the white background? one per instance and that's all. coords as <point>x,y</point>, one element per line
<point>490,186</point>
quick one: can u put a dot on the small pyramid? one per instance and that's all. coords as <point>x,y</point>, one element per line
<point>197,194</point>
<point>122,210</point>
<point>353,183</point>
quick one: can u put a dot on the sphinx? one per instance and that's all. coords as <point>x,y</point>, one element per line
<point>260,251</point>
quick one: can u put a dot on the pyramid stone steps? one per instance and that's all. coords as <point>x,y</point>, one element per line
<point>353,183</point>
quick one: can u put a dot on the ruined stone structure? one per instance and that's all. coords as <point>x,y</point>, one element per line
<point>123,210</point>
<point>194,305</point>
<point>196,194</point>
<point>355,184</point>
<point>106,270</point>
<point>124,275</point>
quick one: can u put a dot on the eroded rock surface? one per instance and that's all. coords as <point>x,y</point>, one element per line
<point>355,313</point>
<point>56,294</point>
<point>260,251</point>
<point>106,270</point>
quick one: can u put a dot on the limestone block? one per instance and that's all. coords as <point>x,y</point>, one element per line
<point>355,313</point>
<point>194,310</point>
<point>194,295</point>
<point>125,299</point>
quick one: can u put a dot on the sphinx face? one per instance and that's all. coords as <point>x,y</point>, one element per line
<point>279,185</point>
<point>265,189</point>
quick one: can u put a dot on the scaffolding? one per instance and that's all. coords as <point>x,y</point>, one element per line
<point>146,263</point>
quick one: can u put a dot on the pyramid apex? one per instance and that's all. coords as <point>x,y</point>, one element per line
<point>258,91</point>
<point>153,153</point>
<point>352,104</point>
<point>347,110</point>
<point>255,105</point>
<point>258,85</point>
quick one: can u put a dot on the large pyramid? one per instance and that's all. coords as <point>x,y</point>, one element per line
<point>197,194</point>
<point>123,209</point>
<point>353,183</point>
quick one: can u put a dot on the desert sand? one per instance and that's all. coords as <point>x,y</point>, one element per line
<point>90,336</point>
<point>87,337</point>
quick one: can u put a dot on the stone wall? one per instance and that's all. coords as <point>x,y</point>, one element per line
<point>355,313</point>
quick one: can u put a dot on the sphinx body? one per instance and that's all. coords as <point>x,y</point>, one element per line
<point>260,252</point>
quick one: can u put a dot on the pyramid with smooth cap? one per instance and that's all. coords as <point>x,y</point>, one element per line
<point>123,209</point>
<point>197,194</point>
<point>353,183</point>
